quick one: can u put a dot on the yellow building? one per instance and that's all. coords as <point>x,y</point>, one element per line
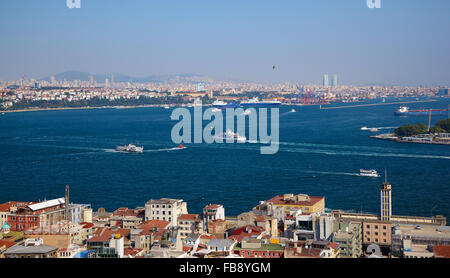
<point>308,204</point>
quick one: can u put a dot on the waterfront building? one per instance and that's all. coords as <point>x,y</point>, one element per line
<point>378,232</point>
<point>8,208</point>
<point>307,204</point>
<point>127,218</point>
<point>189,223</point>
<point>417,240</point>
<point>212,212</point>
<point>348,235</point>
<point>79,213</point>
<point>37,215</point>
<point>165,209</point>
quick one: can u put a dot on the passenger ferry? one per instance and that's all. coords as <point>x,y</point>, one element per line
<point>130,148</point>
<point>231,135</point>
<point>369,173</point>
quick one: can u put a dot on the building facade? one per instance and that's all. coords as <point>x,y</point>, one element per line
<point>165,209</point>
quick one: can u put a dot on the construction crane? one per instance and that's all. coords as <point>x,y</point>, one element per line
<point>429,121</point>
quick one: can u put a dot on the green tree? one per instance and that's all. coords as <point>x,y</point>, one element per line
<point>408,130</point>
<point>444,124</point>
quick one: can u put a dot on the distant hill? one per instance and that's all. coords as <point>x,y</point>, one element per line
<point>100,78</point>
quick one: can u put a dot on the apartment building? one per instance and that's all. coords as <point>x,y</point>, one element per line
<point>189,223</point>
<point>165,209</point>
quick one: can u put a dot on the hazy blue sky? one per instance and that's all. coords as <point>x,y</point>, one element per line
<point>406,42</point>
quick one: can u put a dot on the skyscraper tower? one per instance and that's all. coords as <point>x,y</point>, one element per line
<point>112,79</point>
<point>106,82</point>
<point>91,79</point>
<point>335,81</point>
<point>325,81</point>
<point>386,199</point>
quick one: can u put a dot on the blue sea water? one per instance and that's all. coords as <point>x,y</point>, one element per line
<point>321,151</point>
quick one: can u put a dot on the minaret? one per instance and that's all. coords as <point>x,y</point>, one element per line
<point>386,199</point>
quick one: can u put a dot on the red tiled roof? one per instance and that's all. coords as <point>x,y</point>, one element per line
<point>103,234</point>
<point>87,225</point>
<point>279,200</point>
<point>6,243</point>
<point>149,225</point>
<point>441,251</point>
<point>213,206</point>
<point>208,237</point>
<point>245,229</point>
<point>126,212</point>
<point>188,217</point>
<point>333,245</point>
<point>6,206</point>
<point>305,252</point>
<point>131,251</point>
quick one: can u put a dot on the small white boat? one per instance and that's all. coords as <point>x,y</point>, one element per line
<point>166,107</point>
<point>293,110</point>
<point>369,173</point>
<point>364,128</point>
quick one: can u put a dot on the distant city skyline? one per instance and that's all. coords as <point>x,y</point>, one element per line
<point>404,43</point>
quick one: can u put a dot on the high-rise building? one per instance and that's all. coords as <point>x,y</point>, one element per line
<point>386,201</point>
<point>335,80</point>
<point>91,80</point>
<point>106,82</point>
<point>325,81</point>
<point>52,80</point>
<point>112,79</point>
<point>200,87</point>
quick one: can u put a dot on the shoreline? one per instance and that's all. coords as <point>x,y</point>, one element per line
<point>84,108</point>
<point>392,138</point>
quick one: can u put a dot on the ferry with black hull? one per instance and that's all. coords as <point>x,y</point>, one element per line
<point>404,111</point>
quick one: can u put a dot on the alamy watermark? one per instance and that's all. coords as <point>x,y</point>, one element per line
<point>374,4</point>
<point>71,4</point>
<point>258,127</point>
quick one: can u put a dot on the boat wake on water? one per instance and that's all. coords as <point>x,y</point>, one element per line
<point>166,149</point>
<point>378,128</point>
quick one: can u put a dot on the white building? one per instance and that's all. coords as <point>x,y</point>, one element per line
<point>165,209</point>
<point>213,212</point>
